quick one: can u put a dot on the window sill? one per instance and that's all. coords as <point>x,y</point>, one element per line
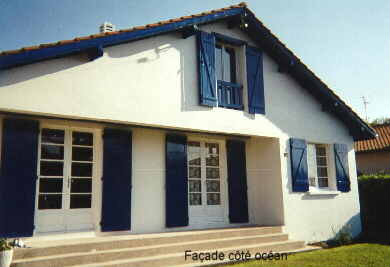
<point>314,192</point>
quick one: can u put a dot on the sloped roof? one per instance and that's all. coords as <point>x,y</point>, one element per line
<point>381,143</point>
<point>236,15</point>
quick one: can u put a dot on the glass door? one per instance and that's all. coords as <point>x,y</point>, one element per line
<point>80,181</point>
<point>65,180</point>
<point>205,183</point>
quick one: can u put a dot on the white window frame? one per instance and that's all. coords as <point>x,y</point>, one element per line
<point>330,169</point>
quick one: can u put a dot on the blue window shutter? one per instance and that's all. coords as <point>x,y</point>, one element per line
<point>254,70</point>
<point>117,165</point>
<point>176,182</point>
<point>206,62</point>
<point>238,197</point>
<point>342,173</point>
<point>298,156</point>
<point>18,177</point>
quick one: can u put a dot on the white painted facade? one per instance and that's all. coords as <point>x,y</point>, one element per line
<point>153,83</point>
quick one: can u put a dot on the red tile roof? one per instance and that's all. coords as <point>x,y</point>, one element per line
<point>382,142</point>
<point>94,36</point>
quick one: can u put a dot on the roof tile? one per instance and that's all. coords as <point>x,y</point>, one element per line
<point>382,142</point>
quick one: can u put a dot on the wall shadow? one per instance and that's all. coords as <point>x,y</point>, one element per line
<point>30,71</point>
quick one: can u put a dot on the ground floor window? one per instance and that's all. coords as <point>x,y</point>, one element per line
<point>318,165</point>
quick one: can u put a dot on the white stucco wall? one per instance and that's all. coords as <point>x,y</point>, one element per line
<point>153,82</point>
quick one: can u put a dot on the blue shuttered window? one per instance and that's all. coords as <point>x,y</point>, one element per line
<point>206,62</point>
<point>299,174</point>
<point>176,182</point>
<point>18,177</point>
<point>342,173</point>
<point>254,69</point>
<point>117,164</point>
<point>238,198</point>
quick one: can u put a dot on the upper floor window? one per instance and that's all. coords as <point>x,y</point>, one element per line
<point>222,71</point>
<point>229,92</point>
<point>318,166</point>
<point>225,63</point>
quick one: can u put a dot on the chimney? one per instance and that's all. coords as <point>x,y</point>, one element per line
<point>107,27</point>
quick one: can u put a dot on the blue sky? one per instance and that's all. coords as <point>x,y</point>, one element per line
<point>346,43</point>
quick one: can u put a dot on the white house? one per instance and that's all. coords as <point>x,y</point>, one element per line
<point>205,121</point>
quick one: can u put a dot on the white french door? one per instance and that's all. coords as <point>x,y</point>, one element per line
<point>66,168</point>
<point>207,198</point>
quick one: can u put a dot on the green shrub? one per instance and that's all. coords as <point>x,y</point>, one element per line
<point>342,237</point>
<point>374,193</point>
<point>4,245</point>
<point>374,176</point>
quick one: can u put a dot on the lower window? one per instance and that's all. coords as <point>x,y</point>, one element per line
<point>318,167</point>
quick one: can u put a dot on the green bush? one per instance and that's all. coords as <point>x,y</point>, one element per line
<point>4,245</point>
<point>374,176</point>
<point>374,193</point>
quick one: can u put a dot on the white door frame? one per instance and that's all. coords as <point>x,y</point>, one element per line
<point>95,211</point>
<point>201,221</point>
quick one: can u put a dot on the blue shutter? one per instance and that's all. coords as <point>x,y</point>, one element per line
<point>342,173</point>
<point>238,198</point>
<point>254,70</point>
<point>116,207</point>
<point>18,177</point>
<point>206,62</point>
<point>298,155</point>
<point>176,182</point>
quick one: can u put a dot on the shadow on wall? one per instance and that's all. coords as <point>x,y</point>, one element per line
<point>350,230</point>
<point>30,71</point>
<point>187,71</point>
<point>143,52</point>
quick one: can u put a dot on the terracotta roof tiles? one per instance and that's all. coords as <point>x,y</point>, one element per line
<point>382,142</point>
<point>93,36</point>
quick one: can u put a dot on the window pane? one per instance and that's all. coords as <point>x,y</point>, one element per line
<point>212,173</point>
<point>80,201</point>
<point>84,139</point>
<point>51,168</point>
<point>212,160</point>
<point>213,186</point>
<point>81,185</point>
<point>195,199</point>
<point>194,172</point>
<point>193,147</point>
<point>194,159</point>
<point>322,172</point>
<point>82,154</point>
<point>50,185</point>
<point>49,202</point>
<point>52,152</point>
<point>53,136</point>
<point>212,148</point>
<point>321,161</point>
<point>323,182</point>
<point>232,60</point>
<point>218,62</point>
<point>195,186</point>
<point>82,169</point>
<point>213,199</point>
<point>321,151</point>
<point>228,59</point>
